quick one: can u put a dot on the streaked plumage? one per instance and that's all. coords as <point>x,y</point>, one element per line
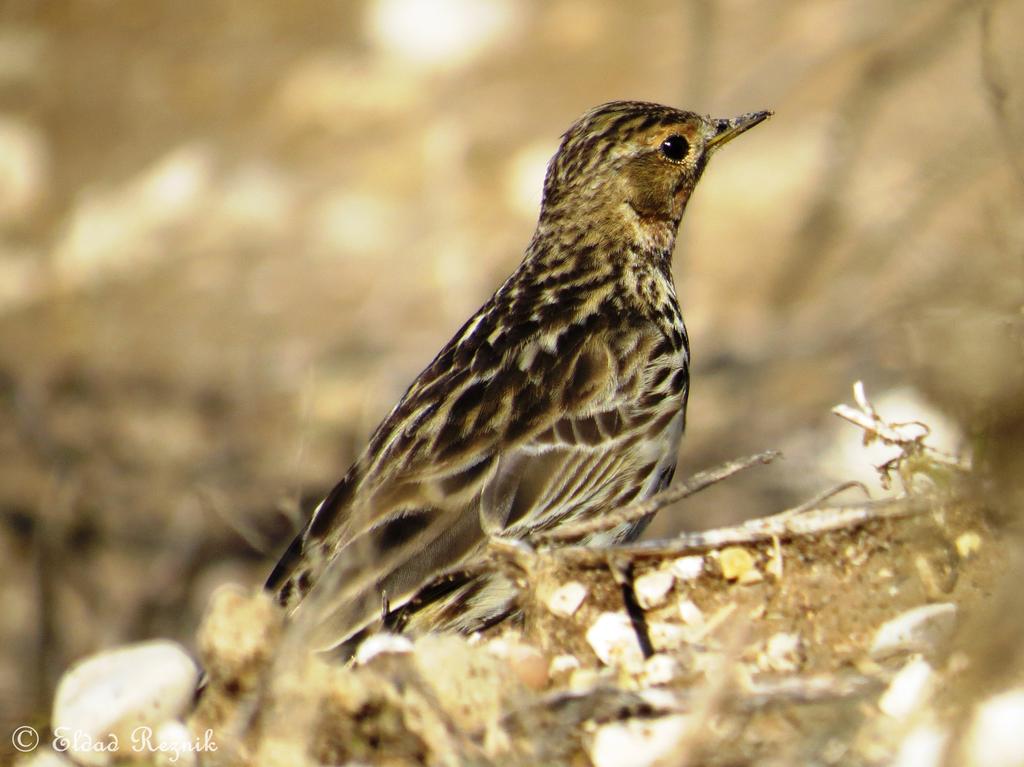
<point>564,396</point>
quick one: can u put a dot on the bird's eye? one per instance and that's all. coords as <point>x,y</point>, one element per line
<point>675,148</point>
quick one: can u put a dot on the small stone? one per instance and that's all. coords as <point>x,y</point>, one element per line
<point>562,663</point>
<point>968,544</point>
<point>665,635</point>
<point>638,742</point>
<point>922,629</point>
<point>382,644</point>
<point>909,689</point>
<point>994,739</point>
<point>750,577</point>
<point>688,568</point>
<point>690,614</point>
<point>735,562</point>
<point>660,668</point>
<point>567,598</point>
<point>924,746</point>
<point>782,652</point>
<point>109,694</point>
<point>659,698</point>
<point>652,588</point>
<point>614,641</point>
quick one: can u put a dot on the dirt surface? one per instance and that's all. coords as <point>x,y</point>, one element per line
<point>232,233</point>
<point>786,668</point>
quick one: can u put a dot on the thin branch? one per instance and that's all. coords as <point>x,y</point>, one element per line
<point>675,492</point>
<point>785,525</point>
<point>805,690</point>
<point>605,704</point>
<point>831,492</point>
<point>908,436</point>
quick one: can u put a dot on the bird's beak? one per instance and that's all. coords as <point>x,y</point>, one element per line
<point>727,130</point>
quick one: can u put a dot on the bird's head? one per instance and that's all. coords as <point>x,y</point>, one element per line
<point>631,166</point>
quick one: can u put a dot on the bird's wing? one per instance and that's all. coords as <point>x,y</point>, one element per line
<point>507,440</point>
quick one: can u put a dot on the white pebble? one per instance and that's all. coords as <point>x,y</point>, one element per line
<point>690,614</point>
<point>652,588</point>
<point>381,644</point>
<point>636,742</point>
<point>113,692</point>
<point>782,652</point>
<point>688,568</point>
<point>564,662</point>
<point>908,690</point>
<point>995,738</point>
<point>968,544</point>
<point>659,669</point>
<point>658,698</point>
<point>614,641</point>
<point>923,746</point>
<point>567,598</point>
<point>922,629</point>
<point>666,635</point>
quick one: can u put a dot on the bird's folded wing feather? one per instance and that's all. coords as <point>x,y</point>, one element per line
<point>550,429</point>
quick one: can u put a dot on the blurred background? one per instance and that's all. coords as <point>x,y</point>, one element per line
<point>231,233</point>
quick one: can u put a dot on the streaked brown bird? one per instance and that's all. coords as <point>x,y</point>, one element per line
<point>562,398</point>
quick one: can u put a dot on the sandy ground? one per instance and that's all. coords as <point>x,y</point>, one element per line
<point>231,234</point>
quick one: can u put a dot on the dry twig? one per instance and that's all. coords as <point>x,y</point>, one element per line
<point>908,436</point>
<point>784,526</point>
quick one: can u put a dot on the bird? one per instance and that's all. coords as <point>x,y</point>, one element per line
<point>562,398</point>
